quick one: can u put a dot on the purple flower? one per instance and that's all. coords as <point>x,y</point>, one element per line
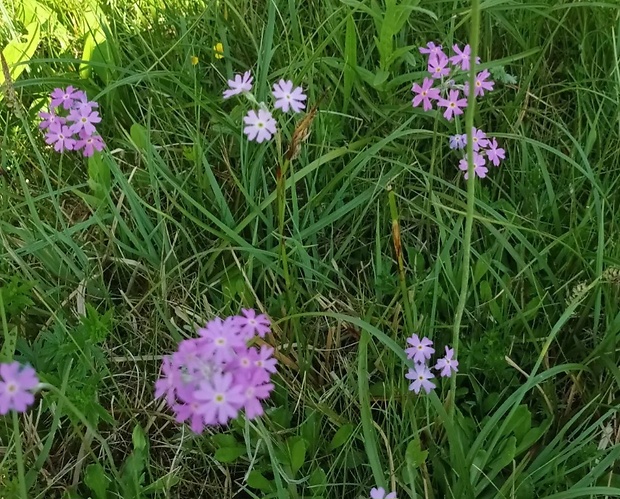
<point>287,97</point>
<point>64,97</point>
<point>89,144</point>
<point>453,105</point>
<point>190,409</point>
<point>82,103</point>
<point>424,94</point>
<point>265,362</point>
<point>16,385</point>
<point>462,57</point>
<point>448,364</point>
<point>458,141</point>
<point>254,392</point>
<point>260,126</point>
<point>222,338</point>
<point>494,153</point>
<point>379,492</point>
<point>479,169</point>
<point>420,375</point>
<point>251,324</point>
<point>219,400</point>
<point>432,50</point>
<point>84,120</point>
<point>60,136</point>
<point>437,66</point>
<point>49,119</point>
<point>420,350</point>
<point>479,139</point>
<point>239,85</point>
<point>481,84</point>
<point>167,385</point>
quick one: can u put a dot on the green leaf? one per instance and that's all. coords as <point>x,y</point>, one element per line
<point>414,454</point>
<point>229,454</point>
<point>139,135</point>
<point>97,481</point>
<point>99,176</point>
<point>17,53</point>
<point>8,347</point>
<point>318,482</point>
<point>257,481</point>
<point>342,436</point>
<point>350,61</point>
<point>223,440</point>
<point>138,438</point>
<point>297,453</point>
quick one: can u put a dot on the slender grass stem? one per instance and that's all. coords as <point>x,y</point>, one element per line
<point>19,457</point>
<point>471,193</point>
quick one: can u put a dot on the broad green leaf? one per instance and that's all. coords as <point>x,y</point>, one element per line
<point>17,53</point>
<point>257,481</point>
<point>297,453</point>
<point>229,454</point>
<point>415,455</point>
<point>8,347</point>
<point>97,481</point>
<point>342,436</point>
<point>317,482</point>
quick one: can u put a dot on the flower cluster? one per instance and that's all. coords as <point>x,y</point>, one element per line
<point>209,379</point>
<point>380,493</point>
<point>75,130</point>
<point>450,74</point>
<point>260,124</point>
<point>421,351</point>
<point>16,385</point>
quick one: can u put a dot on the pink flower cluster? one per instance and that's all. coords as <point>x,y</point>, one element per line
<point>209,379</point>
<point>75,130</point>
<point>421,351</point>
<point>260,125</point>
<point>17,383</point>
<point>446,71</point>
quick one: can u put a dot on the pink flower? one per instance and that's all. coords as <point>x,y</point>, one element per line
<point>287,97</point>
<point>60,136</point>
<point>453,105</point>
<point>251,324</point>
<point>219,400</point>
<point>479,169</point>
<point>462,57</point>
<point>222,338</point>
<point>16,385</point>
<point>424,94</point>
<point>420,375</point>
<point>379,492</point>
<point>432,50</point>
<point>420,350</point>
<point>49,119</point>
<point>84,120</point>
<point>82,103</point>
<point>479,139</point>
<point>254,393</point>
<point>458,141</point>
<point>89,144</point>
<point>64,97</point>
<point>481,84</point>
<point>437,66</point>
<point>448,364</point>
<point>494,153</point>
<point>239,85</point>
<point>260,126</point>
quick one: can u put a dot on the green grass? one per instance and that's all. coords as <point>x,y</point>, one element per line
<point>107,264</point>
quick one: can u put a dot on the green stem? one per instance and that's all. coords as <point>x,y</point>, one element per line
<point>471,193</point>
<point>399,257</point>
<point>19,457</point>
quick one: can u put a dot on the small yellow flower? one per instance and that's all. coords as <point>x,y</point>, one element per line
<point>194,60</point>
<point>218,48</point>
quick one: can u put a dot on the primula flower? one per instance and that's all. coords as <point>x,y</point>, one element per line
<point>60,136</point>
<point>260,126</point>
<point>84,120</point>
<point>287,97</point>
<point>481,84</point>
<point>432,50</point>
<point>458,141</point>
<point>437,66</point>
<point>88,144</point>
<point>251,324</point>
<point>420,375</point>
<point>462,57</point>
<point>209,379</point>
<point>241,83</point>
<point>380,493</point>
<point>479,139</point>
<point>448,364</point>
<point>50,119</point>
<point>420,350</point>
<point>64,97</point>
<point>16,385</point>
<point>424,94</point>
<point>479,169</point>
<point>453,105</point>
<point>495,153</point>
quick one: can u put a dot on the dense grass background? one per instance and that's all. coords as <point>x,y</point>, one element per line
<point>107,264</point>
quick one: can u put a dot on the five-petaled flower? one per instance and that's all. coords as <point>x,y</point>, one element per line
<point>448,364</point>
<point>453,105</point>
<point>420,350</point>
<point>240,84</point>
<point>288,97</point>
<point>437,66</point>
<point>16,385</point>
<point>425,93</point>
<point>479,169</point>
<point>462,57</point>
<point>481,84</point>
<point>380,493</point>
<point>495,153</point>
<point>420,376</point>
<point>260,126</point>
